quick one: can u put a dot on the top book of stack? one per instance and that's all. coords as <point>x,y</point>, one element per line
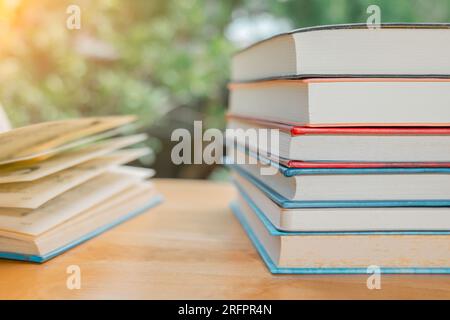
<point>393,50</point>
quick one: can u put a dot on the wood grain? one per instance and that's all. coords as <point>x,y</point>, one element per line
<point>191,247</point>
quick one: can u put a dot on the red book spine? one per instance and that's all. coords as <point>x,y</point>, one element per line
<point>363,165</point>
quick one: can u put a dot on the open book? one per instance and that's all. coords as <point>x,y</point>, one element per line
<point>66,181</point>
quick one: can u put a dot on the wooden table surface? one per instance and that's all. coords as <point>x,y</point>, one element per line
<point>191,247</point>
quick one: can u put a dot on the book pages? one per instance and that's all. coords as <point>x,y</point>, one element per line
<point>69,204</point>
<point>32,170</point>
<point>28,142</point>
<point>33,194</point>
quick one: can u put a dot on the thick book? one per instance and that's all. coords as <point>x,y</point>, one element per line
<point>367,146</point>
<point>345,102</point>
<point>362,218</point>
<point>343,252</point>
<point>348,50</point>
<point>352,187</point>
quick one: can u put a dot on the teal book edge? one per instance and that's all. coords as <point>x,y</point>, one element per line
<point>273,268</point>
<point>40,259</point>
<point>296,204</point>
<point>291,172</point>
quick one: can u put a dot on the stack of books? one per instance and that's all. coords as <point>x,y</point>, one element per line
<point>64,182</point>
<point>359,177</point>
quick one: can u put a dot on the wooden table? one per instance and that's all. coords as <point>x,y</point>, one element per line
<point>191,247</point>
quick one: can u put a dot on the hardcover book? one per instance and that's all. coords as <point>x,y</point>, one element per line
<point>343,102</point>
<point>348,50</point>
<point>349,187</point>
<point>365,146</point>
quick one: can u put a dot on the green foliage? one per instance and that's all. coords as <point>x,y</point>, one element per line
<point>166,54</point>
<point>165,61</point>
<point>320,12</point>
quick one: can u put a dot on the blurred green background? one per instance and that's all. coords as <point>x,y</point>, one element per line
<point>166,61</point>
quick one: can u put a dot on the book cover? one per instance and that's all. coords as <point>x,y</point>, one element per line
<point>292,204</point>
